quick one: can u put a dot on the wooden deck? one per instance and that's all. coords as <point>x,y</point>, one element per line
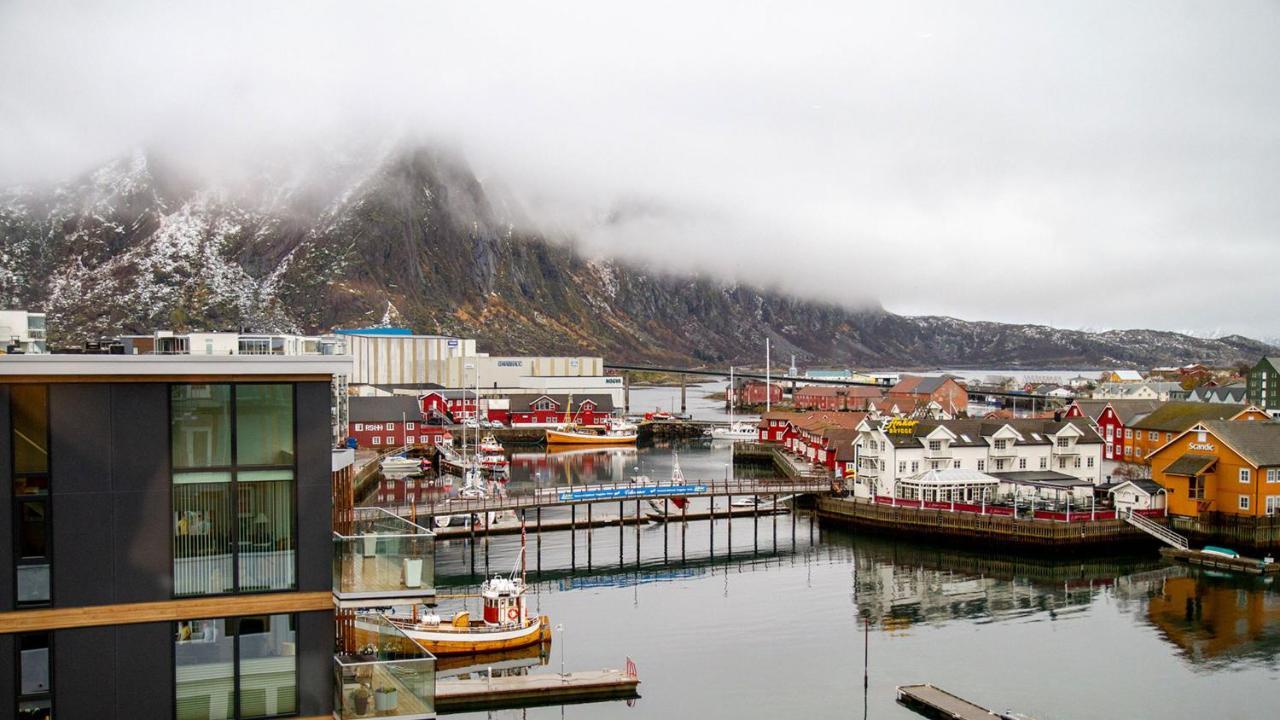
<point>454,695</point>
<point>977,527</point>
<point>935,702</point>
<point>1252,566</point>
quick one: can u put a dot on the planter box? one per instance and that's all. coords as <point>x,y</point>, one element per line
<point>370,544</point>
<point>385,700</point>
<point>412,569</point>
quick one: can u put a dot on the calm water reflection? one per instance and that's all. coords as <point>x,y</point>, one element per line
<point>753,629</point>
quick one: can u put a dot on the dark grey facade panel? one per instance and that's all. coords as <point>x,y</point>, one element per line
<point>142,546</point>
<point>79,438</point>
<point>84,672</point>
<point>8,653</point>
<point>314,449</point>
<point>6,516</point>
<point>84,555</point>
<point>315,537</point>
<point>315,663</point>
<point>144,672</point>
<point>140,438</point>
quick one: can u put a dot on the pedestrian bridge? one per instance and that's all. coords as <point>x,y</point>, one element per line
<point>567,495</point>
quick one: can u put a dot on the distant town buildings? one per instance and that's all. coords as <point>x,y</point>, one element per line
<point>22,332</point>
<point>916,391</point>
<point>1264,385</point>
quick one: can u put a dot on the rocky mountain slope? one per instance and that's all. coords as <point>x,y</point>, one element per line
<point>415,240</point>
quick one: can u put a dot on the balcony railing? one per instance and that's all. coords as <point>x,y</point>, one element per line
<point>1009,450</point>
<point>385,674</point>
<point>382,558</point>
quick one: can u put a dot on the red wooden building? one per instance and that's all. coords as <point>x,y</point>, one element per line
<point>393,421</point>
<point>753,392</point>
<point>455,405</point>
<point>842,398</point>
<point>1110,418</point>
<point>553,409</point>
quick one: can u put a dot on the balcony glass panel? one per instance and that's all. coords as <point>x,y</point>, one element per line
<point>386,676</point>
<point>382,555</point>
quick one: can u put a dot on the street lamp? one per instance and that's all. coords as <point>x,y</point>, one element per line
<point>560,629</point>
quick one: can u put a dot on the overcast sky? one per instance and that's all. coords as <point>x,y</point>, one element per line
<point>1080,164</point>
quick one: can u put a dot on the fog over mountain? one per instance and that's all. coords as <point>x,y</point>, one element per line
<point>1076,164</point>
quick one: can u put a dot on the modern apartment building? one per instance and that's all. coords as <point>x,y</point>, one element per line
<point>1263,385</point>
<point>172,549</point>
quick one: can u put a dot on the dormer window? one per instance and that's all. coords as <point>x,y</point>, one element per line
<point>935,445</point>
<point>1064,442</point>
<point>1001,444</point>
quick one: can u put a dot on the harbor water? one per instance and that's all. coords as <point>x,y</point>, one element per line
<point>750,626</point>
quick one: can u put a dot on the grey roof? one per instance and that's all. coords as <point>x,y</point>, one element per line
<point>1150,487</point>
<point>1190,464</point>
<point>384,409</point>
<point>1041,477</point>
<point>978,429</point>
<point>1259,442</point>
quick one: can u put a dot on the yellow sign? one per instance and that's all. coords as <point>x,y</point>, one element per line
<point>901,426</point>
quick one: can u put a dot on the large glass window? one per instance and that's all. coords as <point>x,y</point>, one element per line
<point>29,438</point>
<point>233,494</point>
<point>236,668</point>
<point>35,694</point>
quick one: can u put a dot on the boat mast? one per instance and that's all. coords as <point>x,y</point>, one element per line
<point>768,384</point>
<point>731,390</point>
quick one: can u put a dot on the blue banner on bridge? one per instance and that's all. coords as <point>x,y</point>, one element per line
<point>638,491</point>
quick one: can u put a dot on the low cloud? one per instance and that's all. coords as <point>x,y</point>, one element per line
<point>1081,164</point>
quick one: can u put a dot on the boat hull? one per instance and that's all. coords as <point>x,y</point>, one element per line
<point>561,437</point>
<point>445,640</point>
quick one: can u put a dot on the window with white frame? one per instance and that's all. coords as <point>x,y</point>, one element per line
<point>1273,505</point>
<point>391,440</point>
<point>915,466</point>
<point>1153,435</point>
<point>408,426</point>
<point>1273,475</point>
<point>1128,432</point>
<point>1022,463</point>
<point>1044,463</point>
<point>1077,462</point>
<point>424,439</point>
<point>1064,442</point>
<point>1246,475</point>
<point>377,440</point>
<point>902,466</point>
<point>1000,444</point>
<point>1090,462</point>
<point>359,427</point>
<point>982,465</point>
<point>1243,502</point>
<point>956,464</point>
<point>935,445</point>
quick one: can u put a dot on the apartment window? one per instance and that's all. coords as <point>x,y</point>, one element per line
<point>1062,463</point>
<point>999,464</point>
<point>423,439</point>
<point>934,464</point>
<point>1273,475</point>
<point>35,691</point>
<point>1090,462</point>
<point>233,488</point>
<point>408,426</point>
<point>1246,475</point>
<point>1195,488</point>
<point>1243,502</point>
<point>391,427</point>
<point>1076,464</point>
<point>956,464</point>
<point>982,465</point>
<point>1273,505</point>
<point>391,440</point>
<point>1128,450</point>
<point>236,668</point>
<point>376,439</point>
<point>29,439</point>
<point>359,427</point>
<point>1022,463</point>
<point>1168,437</point>
<point>1128,433</point>
<point>1044,463</point>
<point>935,445</point>
<point>1153,435</point>
<point>1064,442</point>
<point>915,466</point>
<point>1001,444</point>
<point>902,466</point>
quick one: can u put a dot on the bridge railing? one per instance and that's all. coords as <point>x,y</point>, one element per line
<point>621,492</point>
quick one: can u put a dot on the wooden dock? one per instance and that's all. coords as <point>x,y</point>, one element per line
<point>935,702</point>
<point>1252,566</point>
<point>454,695</point>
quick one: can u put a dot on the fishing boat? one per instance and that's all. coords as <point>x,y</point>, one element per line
<point>504,623</point>
<point>577,435</point>
<point>400,463</point>
<point>490,455</point>
<point>736,431</point>
<point>752,501</point>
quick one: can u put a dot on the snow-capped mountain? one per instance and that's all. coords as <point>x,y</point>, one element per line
<point>413,238</point>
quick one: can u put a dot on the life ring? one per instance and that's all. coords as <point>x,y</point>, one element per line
<point>513,613</point>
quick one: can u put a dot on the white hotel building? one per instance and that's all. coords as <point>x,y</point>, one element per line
<point>1033,450</point>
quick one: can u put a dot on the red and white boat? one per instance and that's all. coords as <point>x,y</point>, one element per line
<point>491,456</point>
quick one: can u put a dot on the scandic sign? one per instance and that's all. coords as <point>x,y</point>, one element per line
<point>632,492</point>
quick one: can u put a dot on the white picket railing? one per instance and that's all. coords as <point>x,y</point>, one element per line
<point>1155,530</point>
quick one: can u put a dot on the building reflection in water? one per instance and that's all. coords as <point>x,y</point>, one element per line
<point>1216,618</point>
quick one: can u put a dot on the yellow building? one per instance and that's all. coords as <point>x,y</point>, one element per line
<point>1221,466</point>
<point>1208,620</point>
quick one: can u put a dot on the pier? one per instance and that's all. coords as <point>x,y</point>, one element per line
<point>496,693</point>
<point>1251,566</point>
<point>935,702</point>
